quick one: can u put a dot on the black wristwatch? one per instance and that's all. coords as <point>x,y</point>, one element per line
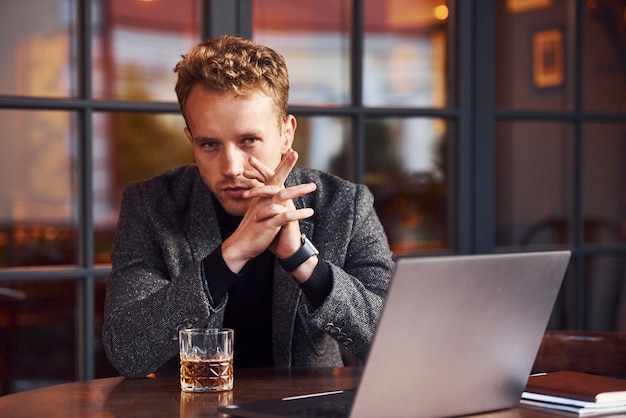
<point>305,252</point>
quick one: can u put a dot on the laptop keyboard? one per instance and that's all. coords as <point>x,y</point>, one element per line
<point>325,405</point>
<point>326,409</point>
<point>336,405</point>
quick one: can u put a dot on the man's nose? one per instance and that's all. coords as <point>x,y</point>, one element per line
<point>232,162</point>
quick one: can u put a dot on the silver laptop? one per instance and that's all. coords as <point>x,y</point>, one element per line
<point>458,335</point>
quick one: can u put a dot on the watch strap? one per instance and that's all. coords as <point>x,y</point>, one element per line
<point>306,251</point>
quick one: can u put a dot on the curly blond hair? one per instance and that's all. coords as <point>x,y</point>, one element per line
<point>233,64</point>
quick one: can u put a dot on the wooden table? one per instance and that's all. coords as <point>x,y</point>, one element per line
<point>161,396</point>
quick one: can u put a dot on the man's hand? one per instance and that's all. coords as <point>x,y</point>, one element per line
<point>271,220</point>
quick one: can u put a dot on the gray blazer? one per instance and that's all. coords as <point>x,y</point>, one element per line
<point>168,225</point>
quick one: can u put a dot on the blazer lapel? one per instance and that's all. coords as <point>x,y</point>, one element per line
<point>203,231</point>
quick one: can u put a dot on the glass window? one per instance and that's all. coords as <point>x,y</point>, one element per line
<point>604,184</point>
<point>313,36</point>
<point>406,168</point>
<point>38,320</point>
<point>138,43</point>
<point>324,143</point>
<point>36,47</point>
<point>534,172</point>
<point>405,62</point>
<point>129,147</point>
<point>605,55</point>
<point>38,209</point>
<point>534,53</point>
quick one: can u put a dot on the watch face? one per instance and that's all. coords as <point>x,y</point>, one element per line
<point>310,246</point>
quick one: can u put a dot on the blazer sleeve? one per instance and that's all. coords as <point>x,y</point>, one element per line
<point>154,289</point>
<point>360,280</point>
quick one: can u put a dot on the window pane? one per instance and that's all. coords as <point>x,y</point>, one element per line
<point>534,55</point>
<point>534,184</point>
<point>605,55</point>
<point>138,43</point>
<point>604,183</point>
<point>405,53</point>
<point>324,143</point>
<point>129,147</point>
<point>37,320</point>
<point>604,293</point>
<point>313,36</point>
<point>406,167</point>
<point>36,46</point>
<point>38,209</point>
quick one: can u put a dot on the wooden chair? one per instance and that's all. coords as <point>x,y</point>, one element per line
<point>584,351</point>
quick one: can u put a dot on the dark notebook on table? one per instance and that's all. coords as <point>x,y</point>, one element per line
<point>581,393</point>
<point>458,335</point>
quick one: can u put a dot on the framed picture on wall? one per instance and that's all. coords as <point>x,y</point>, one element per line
<point>548,58</point>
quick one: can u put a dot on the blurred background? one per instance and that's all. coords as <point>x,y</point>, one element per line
<point>481,126</point>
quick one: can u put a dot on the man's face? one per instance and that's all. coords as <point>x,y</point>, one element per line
<point>225,130</point>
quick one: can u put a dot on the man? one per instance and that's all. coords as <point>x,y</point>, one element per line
<point>231,241</point>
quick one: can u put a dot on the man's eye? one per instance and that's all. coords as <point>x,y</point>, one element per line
<point>250,141</point>
<point>209,145</point>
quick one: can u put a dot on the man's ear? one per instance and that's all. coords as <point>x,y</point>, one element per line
<point>188,135</point>
<point>289,131</point>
